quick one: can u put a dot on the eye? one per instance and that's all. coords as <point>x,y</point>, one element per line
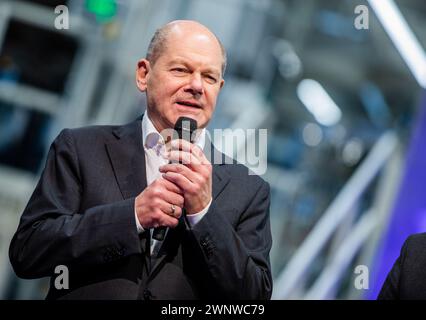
<point>179,70</point>
<point>211,79</point>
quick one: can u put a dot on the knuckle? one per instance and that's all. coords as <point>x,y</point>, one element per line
<point>200,182</point>
<point>181,200</point>
<point>198,152</point>
<point>192,190</point>
<point>206,174</point>
<point>197,188</point>
<point>157,215</point>
<point>155,183</point>
<point>193,148</point>
<point>155,191</point>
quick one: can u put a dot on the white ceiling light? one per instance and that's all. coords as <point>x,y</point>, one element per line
<point>318,102</point>
<point>403,38</point>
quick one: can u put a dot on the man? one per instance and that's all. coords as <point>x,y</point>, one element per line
<point>105,188</point>
<point>406,280</point>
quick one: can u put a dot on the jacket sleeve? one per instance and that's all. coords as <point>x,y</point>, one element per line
<point>237,259</point>
<point>391,287</point>
<point>52,231</point>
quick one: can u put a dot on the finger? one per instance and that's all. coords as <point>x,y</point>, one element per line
<point>169,185</point>
<point>172,198</point>
<point>179,144</point>
<point>183,157</point>
<point>171,209</point>
<point>190,171</point>
<point>168,221</point>
<point>181,181</point>
<point>163,215</point>
<point>180,168</point>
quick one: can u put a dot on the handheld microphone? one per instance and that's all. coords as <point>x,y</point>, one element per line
<point>184,128</point>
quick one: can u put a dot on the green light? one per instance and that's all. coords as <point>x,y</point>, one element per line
<point>104,10</point>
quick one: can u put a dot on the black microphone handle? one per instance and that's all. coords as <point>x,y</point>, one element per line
<point>159,233</point>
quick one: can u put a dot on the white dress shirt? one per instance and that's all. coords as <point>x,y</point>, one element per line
<point>154,146</point>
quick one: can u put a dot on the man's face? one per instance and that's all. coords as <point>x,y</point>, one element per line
<point>184,81</point>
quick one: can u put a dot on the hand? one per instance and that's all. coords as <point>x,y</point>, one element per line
<point>154,205</point>
<point>193,176</point>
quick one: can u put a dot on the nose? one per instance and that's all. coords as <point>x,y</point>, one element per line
<point>195,85</point>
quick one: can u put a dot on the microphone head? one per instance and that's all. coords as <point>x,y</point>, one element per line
<point>185,127</point>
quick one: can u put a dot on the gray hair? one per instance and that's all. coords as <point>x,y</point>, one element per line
<point>157,45</point>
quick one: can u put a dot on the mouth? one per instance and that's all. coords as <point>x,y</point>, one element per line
<point>188,103</point>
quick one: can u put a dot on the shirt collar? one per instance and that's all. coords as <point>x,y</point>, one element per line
<point>151,137</point>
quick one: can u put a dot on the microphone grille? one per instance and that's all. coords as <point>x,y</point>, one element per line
<point>185,127</point>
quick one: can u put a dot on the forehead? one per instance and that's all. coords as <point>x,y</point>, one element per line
<point>198,48</point>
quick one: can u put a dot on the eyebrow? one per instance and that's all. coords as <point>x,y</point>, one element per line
<point>183,62</point>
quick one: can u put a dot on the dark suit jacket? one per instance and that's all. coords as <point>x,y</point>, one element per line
<point>81,215</point>
<point>407,279</point>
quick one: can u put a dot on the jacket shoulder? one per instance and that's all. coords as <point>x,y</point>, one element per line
<point>244,176</point>
<point>88,133</point>
<point>413,266</point>
<point>416,242</point>
<point>100,133</point>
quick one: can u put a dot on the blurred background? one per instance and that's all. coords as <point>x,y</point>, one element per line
<point>343,104</point>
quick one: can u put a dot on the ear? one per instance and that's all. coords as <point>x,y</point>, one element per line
<point>222,82</point>
<point>142,74</point>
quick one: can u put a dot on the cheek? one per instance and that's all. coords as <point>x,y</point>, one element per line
<point>212,99</point>
<point>162,96</point>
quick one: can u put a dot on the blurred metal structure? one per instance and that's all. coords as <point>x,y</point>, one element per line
<point>291,283</point>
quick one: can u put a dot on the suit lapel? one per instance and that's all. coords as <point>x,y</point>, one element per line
<point>128,159</point>
<point>220,176</point>
<point>220,180</point>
